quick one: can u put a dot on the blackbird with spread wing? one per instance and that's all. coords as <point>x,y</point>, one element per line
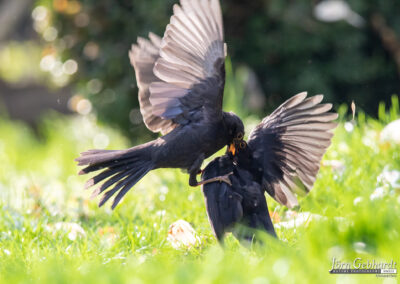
<point>181,80</point>
<point>282,157</point>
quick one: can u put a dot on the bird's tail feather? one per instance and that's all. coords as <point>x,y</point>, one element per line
<point>121,169</point>
<point>247,229</point>
<point>264,222</point>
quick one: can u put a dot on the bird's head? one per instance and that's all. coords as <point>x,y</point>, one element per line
<point>236,132</point>
<point>238,150</point>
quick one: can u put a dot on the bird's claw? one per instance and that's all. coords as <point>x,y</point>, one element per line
<point>224,178</point>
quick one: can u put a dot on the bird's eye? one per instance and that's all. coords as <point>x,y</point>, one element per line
<point>242,145</point>
<point>239,136</point>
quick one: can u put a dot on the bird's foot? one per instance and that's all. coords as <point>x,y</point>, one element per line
<point>224,178</point>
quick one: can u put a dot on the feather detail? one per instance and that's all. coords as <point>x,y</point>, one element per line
<point>289,144</point>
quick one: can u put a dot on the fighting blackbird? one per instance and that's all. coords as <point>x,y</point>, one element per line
<point>243,203</point>
<point>282,157</point>
<point>181,81</point>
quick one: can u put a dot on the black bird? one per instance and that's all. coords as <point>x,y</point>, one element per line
<point>282,157</point>
<point>181,80</point>
<point>242,203</point>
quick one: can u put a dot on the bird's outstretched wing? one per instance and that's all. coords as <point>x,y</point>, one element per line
<point>181,77</point>
<point>191,66</point>
<point>143,56</point>
<point>289,144</point>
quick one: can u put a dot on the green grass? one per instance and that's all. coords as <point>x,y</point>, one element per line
<point>39,188</point>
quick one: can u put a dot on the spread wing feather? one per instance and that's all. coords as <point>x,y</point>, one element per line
<point>289,144</point>
<point>191,64</point>
<point>143,56</point>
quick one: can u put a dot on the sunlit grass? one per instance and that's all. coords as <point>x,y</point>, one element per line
<point>40,194</point>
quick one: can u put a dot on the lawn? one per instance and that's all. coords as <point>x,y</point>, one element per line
<point>52,232</point>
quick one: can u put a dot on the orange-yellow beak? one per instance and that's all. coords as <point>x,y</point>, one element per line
<point>232,149</point>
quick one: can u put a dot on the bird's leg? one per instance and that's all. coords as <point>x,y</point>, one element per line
<point>194,170</point>
<point>224,178</point>
<point>193,179</point>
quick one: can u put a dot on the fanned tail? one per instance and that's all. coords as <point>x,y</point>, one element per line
<point>121,169</point>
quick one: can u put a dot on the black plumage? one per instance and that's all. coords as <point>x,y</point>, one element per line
<point>181,81</point>
<point>282,157</point>
<point>242,203</point>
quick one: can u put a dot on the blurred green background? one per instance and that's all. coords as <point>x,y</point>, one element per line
<point>66,86</point>
<point>347,50</point>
